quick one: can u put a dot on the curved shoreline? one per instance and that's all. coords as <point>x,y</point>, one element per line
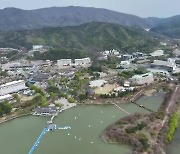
<point>15,117</point>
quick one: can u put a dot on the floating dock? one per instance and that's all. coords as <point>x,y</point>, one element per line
<point>38,141</point>
<point>51,127</point>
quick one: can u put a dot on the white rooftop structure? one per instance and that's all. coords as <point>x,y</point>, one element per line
<point>157,53</point>
<point>37,47</point>
<point>12,87</point>
<point>97,83</point>
<point>169,66</point>
<point>5,97</point>
<point>64,62</point>
<point>142,79</point>
<point>126,62</point>
<point>83,61</point>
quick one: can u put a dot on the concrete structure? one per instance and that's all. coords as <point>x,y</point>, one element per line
<point>12,87</point>
<point>166,65</point>
<point>157,53</point>
<point>142,79</point>
<point>83,61</point>
<point>64,62</point>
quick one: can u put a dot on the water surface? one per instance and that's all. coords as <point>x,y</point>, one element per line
<point>87,123</point>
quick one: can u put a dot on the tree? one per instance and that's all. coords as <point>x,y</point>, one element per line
<point>71,100</point>
<point>52,95</point>
<point>37,90</point>
<point>82,97</point>
<point>5,108</point>
<point>16,97</point>
<point>44,101</point>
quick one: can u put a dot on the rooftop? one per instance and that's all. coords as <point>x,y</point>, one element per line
<point>11,83</point>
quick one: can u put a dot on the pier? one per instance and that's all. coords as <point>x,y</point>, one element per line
<point>38,141</point>
<point>51,127</point>
<point>142,106</point>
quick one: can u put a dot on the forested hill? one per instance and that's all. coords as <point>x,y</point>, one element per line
<point>86,38</point>
<point>169,27</point>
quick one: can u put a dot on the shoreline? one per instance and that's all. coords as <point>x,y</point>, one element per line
<point>78,104</point>
<point>14,117</point>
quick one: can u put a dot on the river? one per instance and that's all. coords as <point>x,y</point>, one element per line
<point>87,123</point>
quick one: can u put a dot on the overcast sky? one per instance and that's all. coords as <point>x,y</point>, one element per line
<point>142,8</point>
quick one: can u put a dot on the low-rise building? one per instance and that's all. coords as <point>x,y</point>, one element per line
<point>12,87</point>
<point>159,64</point>
<point>127,57</point>
<point>83,61</point>
<point>37,47</point>
<point>64,62</point>
<point>48,111</point>
<point>142,79</point>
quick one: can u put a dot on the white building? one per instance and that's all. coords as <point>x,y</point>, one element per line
<point>97,83</point>
<point>110,52</point>
<point>37,47</point>
<point>64,62</point>
<point>157,53</point>
<point>126,62</point>
<point>142,79</point>
<point>169,66</point>
<point>5,97</point>
<point>12,87</point>
<point>83,61</point>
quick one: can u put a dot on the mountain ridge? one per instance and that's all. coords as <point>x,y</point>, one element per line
<point>14,18</point>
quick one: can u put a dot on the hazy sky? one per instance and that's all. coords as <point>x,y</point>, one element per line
<point>143,8</point>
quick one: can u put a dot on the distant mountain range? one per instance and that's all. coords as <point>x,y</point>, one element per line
<point>17,19</point>
<point>13,18</point>
<point>75,41</point>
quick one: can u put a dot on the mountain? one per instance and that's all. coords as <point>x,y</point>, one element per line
<point>153,21</point>
<point>88,39</point>
<point>169,27</point>
<point>13,18</point>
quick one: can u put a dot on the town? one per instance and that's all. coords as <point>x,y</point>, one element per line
<point>46,87</point>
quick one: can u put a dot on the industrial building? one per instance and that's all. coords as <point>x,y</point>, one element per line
<point>142,79</point>
<point>12,87</point>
